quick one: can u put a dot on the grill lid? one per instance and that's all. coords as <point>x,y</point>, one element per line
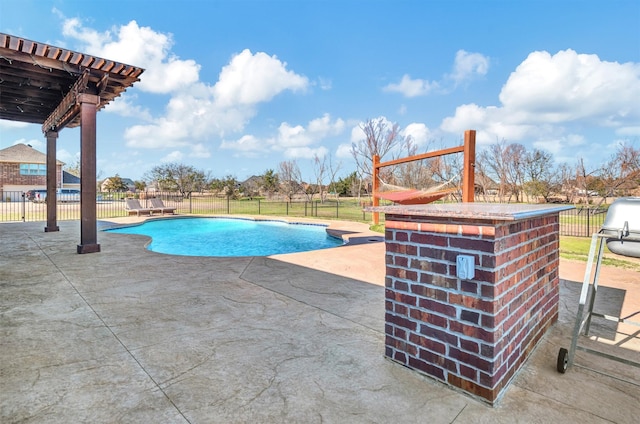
<point>623,224</point>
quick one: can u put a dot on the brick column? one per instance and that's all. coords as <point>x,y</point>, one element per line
<point>472,334</point>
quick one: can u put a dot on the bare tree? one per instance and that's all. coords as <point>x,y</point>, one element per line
<point>567,181</point>
<point>622,172</point>
<point>586,179</point>
<point>333,171</point>
<point>494,159</point>
<point>380,138</point>
<point>319,171</point>
<point>290,178</point>
<point>515,156</point>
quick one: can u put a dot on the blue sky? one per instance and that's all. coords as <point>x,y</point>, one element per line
<point>236,87</point>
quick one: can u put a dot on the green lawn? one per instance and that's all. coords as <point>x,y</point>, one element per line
<point>577,248</point>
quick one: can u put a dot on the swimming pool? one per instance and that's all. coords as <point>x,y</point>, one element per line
<point>227,237</point>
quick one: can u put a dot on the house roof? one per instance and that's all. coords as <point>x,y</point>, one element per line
<point>68,178</point>
<point>40,83</point>
<point>23,153</point>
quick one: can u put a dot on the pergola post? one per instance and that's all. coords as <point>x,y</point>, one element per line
<point>52,183</point>
<point>88,223</point>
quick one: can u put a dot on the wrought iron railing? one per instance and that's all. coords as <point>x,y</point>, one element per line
<point>15,206</point>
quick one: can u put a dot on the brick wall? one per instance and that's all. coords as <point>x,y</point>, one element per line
<point>471,334</point>
<point>10,175</point>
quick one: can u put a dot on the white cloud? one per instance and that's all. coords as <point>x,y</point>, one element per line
<point>409,87</point>
<point>6,124</point>
<point>294,141</point>
<point>419,133</point>
<point>39,145</point>
<point>297,141</point>
<point>629,131</point>
<point>305,152</point>
<point>548,92</point>
<point>200,151</point>
<point>175,156</point>
<point>255,78</point>
<point>555,145</point>
<point>247,145</point>
<point>197,111</point>
<point>142,47</point>
<point>67,157</point>
<point>125,106</point>
<point>569,86</point>
<point>344,151</point>
<point>465,67</point>
<point>468,65</point>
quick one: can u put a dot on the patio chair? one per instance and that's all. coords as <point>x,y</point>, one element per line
<point>133,206</point>
<point>158,204</point>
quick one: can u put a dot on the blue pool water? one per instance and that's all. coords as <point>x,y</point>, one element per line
<point>230,237</point>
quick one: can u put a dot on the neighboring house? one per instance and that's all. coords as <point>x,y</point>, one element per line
<point>252,185</point>
<point>70,181</point>
<point>23,168</point>
<point>131,185</point>
<point>485,185</point>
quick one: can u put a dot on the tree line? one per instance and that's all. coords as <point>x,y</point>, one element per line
<point>505,172</point>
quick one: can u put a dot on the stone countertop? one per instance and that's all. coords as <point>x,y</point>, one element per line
<point>493,211</point>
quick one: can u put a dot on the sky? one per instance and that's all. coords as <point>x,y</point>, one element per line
<point>237,87</point>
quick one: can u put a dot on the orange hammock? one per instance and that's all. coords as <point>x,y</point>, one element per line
<point>413,196</point>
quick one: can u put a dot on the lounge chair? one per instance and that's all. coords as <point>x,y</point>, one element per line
<point>158,205</point>
<point>133,206</point>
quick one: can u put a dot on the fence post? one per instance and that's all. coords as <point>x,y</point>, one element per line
<point>287,208</point>
<point>24,207</point>
<point>337,209</point>
<point>228,205</point>
<point>190,205</point>
<point>588,221</point>
<point>258,206</point>
<point>305,208</point>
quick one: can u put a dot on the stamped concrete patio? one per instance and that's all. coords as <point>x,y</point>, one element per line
<point>126,335</point>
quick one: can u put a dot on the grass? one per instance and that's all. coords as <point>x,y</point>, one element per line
<point>577,248</point>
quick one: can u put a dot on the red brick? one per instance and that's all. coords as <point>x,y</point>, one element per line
<point>430,292</point>
<point>398,225</point>
<point>439,334</point>
<point>427,368</point>
<point>427,343</point>
<point>437,307</point>
<point>429,240</point>
<point>472,244</point>
<point>472,387</point>
<point>469,345</point>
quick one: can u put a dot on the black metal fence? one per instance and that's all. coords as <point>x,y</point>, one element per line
<point>582,221</point>
<point>15,206</point>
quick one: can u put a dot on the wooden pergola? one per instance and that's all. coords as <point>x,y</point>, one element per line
<point>59,88</point>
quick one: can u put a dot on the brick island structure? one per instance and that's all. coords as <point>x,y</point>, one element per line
<point>474,332</point>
